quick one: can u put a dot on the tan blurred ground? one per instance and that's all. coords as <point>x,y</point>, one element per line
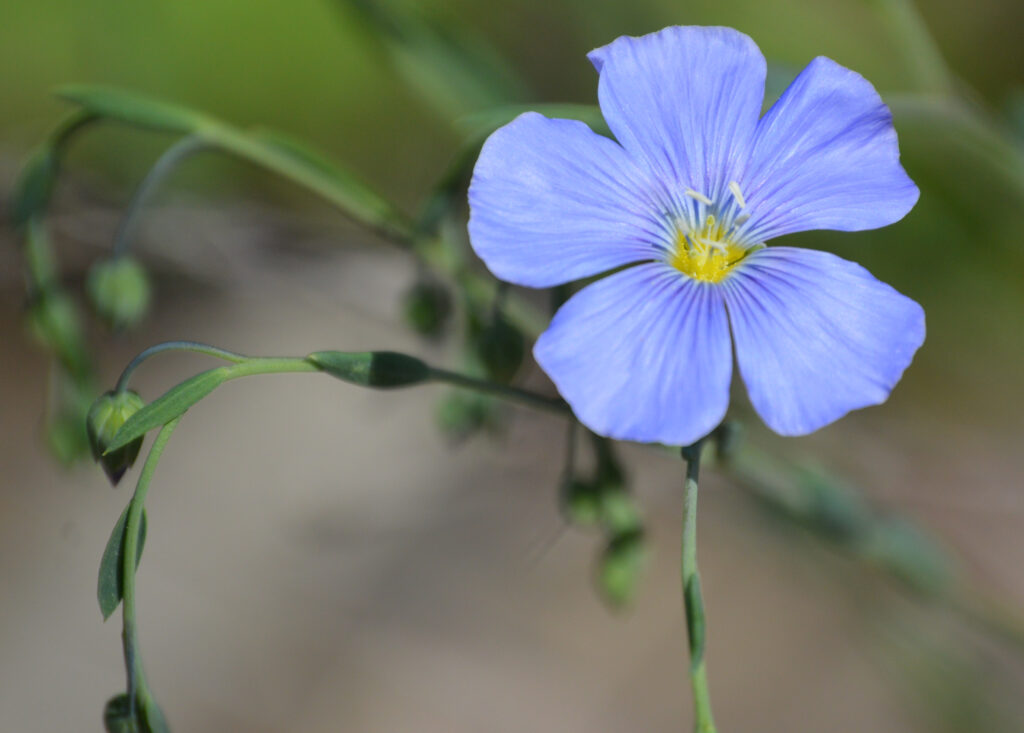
<point>319,559</point>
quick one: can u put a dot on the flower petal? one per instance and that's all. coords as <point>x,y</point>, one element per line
<point>552,201</point>
<point>817,336</point>
<point>685,100</point>
<point>642,355</point>
<point>826,157</point>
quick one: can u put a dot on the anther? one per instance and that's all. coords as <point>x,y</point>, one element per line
<point>699,196</point>
<point>734,188</point>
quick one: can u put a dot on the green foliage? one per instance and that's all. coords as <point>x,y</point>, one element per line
<point>110,585</point>
<point>268,149</point>
<point>136,109</point>
<point>168,406</point>
<point>381,369</point>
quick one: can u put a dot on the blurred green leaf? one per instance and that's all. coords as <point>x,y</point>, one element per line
<point>136,109</point>
<point>317,172</point>
<point>271,150</point>
<point>110,586</point>
<point>440,59</point>
<point>168,406</point>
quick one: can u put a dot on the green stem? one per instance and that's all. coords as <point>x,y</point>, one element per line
<point>137,689</point>
<point>692,599</point>
<point>194,346</point>
<point>163,167</point>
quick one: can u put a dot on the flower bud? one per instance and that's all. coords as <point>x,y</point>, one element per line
<point>620,568</point>
<point>106,416</point>
<point>501,348</point>
<point>119,291</point>
<point>427,307</point>
<point>53,320</point>
<point>581,502</point>
<point>117,716</point>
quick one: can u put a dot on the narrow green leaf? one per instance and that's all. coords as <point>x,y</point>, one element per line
<point>382,369</point>
<point>317,172</point>
<point>168,406</point>
<point>439,57</point>
<point>695,627</point>
<point>153,715</point>
<point>110,586</point>
<point>136,109</point>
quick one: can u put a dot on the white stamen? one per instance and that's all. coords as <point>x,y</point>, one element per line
<point>742,219</point>
<point>699,196</point>
<point>737,194</point>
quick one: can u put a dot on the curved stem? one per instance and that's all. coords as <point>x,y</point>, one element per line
<point>195,346</point>
<point>163,167</point>
<point>137,689</point>
<point>693,602</point>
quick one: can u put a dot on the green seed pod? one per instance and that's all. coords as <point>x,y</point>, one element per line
<point>106,416</point>
<point>119,291</point>
<point>381,369</point>
<point>427,306</point>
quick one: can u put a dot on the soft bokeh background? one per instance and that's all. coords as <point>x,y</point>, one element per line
<point>321,558</point>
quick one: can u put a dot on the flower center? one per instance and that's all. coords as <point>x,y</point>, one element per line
<point>705,247</point>
<point>706,254</point>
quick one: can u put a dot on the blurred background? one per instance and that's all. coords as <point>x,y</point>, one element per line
<point>322,558</point>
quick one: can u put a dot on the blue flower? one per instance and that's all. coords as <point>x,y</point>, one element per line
<point>696,184</point>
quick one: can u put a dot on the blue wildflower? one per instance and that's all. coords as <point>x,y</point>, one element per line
<point>696,184</point>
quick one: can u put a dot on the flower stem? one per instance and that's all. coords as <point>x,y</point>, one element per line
<point>693,603</point>
<point>194,346</point>
<point>164,166</point>
<point>137,688</point>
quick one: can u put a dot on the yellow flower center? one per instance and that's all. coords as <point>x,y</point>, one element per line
<point>706,254</point>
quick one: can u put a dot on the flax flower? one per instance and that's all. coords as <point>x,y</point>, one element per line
<point>680,207</point>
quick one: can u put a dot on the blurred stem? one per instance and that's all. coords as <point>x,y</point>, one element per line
<point>163,167</point>
<point>514,394</point>
<point>137,688</point>
<point>693,602</point>
<point>193,346</point>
